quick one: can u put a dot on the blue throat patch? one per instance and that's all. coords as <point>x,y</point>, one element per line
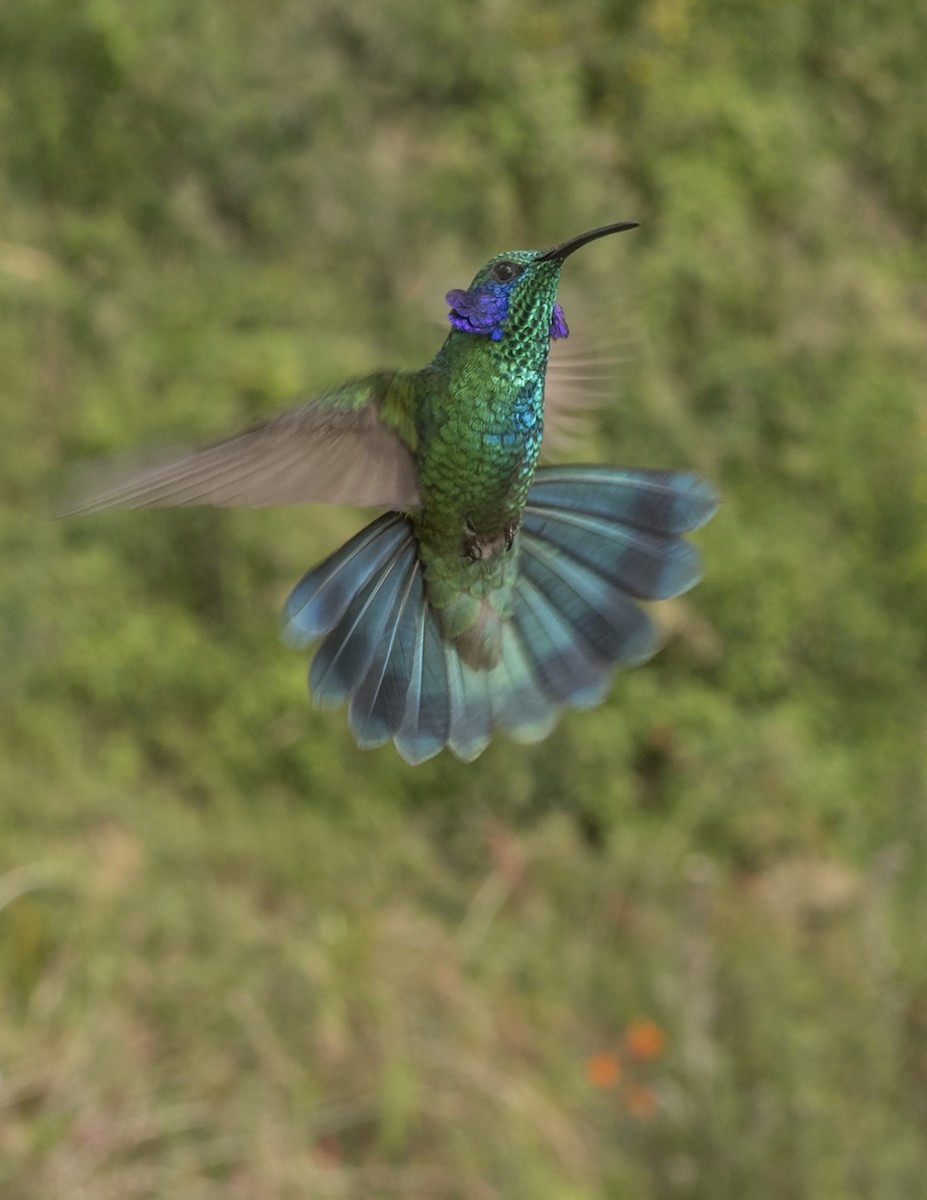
<point>486,310</point>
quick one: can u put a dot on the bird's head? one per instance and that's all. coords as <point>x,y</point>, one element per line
<point>517,291</point>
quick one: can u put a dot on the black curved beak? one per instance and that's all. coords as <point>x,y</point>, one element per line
<point>565,248</point>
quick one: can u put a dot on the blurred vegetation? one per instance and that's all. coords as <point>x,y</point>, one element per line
<point>677,951</point>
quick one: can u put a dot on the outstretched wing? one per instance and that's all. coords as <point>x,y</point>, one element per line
<point>336,449</point>
<point>580,378</point>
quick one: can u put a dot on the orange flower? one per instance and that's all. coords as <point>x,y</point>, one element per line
<point>603,1070</point>
<point>640,1101</point>
<point>644,1040</point>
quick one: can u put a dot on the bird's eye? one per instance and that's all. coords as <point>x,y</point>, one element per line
<point>505,271</point>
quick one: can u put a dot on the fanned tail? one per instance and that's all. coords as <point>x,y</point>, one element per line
<point>593,541</point>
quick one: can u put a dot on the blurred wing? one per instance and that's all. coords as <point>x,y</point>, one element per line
<point>580,378</point>
<point>335,450</point>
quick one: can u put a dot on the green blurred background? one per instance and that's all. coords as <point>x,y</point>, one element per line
<point>676,951</point>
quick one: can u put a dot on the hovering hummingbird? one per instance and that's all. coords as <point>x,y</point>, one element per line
<point>493,592</point>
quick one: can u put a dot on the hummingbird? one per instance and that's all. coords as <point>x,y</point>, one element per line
<point>491,593</point>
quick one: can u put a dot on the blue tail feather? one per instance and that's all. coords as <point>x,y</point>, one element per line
<point>348,652</point>
<point>324,593</point>
<point>378,702</point>
<point>669,502</point>
<point>650,566</point>
<point>592,541</point>
<point>426,720</point>
<point>519,704</point>
<point>605,619</point>
<point>471,707</point>
<point>566,668</point>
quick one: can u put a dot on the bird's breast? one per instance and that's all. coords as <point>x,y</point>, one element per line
<point>479,447</point>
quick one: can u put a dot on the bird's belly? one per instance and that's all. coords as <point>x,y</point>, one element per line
<point>491,491</point>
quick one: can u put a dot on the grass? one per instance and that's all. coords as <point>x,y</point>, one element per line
<point>202,1002</point>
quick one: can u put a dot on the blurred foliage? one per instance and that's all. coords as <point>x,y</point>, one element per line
<point>240,958</point>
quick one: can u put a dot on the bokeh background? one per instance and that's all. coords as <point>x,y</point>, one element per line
<point>676,952</point>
